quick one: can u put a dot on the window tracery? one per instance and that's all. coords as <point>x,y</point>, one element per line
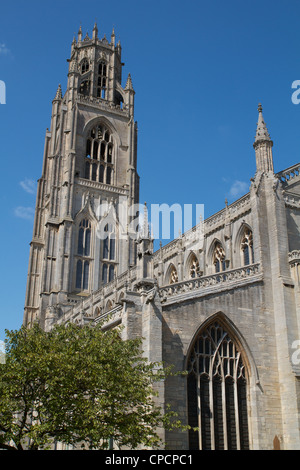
<point>99,155</point>
<point>173,277</point>
<point>194,270</point>
<point>219,258</point>
<point>217,392</point>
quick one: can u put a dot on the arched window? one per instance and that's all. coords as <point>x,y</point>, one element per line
<point>83,255</point>
<point>99,153</point>
<point>219,258</point>
<point>194,269</point>
<point>173,277</point>
<point>84,238</point>
<point>247,251</point>
<point>217,392</point>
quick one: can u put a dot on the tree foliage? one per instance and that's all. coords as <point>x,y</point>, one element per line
<point>78,386</point>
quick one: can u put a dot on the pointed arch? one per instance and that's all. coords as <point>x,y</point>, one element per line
<point>217,256</point>
<point>104,122</point>
<point>121,297</point>
<point>218,379</point>
<point>244,247</point>
<point>192,266</point>
<point>97,312</point>
<point>171,275</point>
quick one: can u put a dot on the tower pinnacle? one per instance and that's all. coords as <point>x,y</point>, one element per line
<point>263,145</point>
<point>262,133</point>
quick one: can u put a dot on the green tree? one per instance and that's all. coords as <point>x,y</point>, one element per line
<point>78,386</point>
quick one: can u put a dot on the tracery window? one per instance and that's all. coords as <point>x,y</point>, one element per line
<point>102,80</point>
<point>219,258</point>
<point>247,247</point>
<point>194,268</point>
<point>217,393</point>
<point>173,277</point>
<point>83,255</point>
<point>99,155</point>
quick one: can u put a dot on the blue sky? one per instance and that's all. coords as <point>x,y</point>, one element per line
<point>199,70</point>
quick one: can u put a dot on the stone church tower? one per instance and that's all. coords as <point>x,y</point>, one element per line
<point>220,302</point>
<point>89,167</point>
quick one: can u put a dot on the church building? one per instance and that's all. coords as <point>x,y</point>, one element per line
<point>221,301</point>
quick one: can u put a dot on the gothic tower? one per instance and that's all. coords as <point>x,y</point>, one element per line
<point>89,170</point>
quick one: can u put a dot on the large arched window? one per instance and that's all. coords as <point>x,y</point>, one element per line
<point>99,157</point>
<point>247,252</point>
<point>217,392</point>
